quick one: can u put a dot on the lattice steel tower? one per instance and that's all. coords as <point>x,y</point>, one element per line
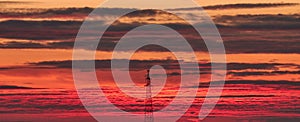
<point>148,100</point>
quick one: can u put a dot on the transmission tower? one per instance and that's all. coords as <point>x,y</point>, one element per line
<point>148,100</point>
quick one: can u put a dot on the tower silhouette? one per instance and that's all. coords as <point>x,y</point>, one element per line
<point>148,100</point>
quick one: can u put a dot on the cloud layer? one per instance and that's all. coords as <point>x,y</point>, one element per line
<point>241,33</point>
<point>239,6</point>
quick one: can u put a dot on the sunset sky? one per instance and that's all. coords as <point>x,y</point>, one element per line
<point>261,39</point>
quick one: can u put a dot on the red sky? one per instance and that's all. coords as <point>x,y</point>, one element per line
<point>260,36</point>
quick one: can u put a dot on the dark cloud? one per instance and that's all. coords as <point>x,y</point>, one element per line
<point>14,44</point>
<point>263,82</point>
<point>150,13</point>
<point>52,30</point>
<point>39,30</point>
<point>238,6</point>
<point>260,33</point>
<point>255,73</point>
<point>284,84</point>
<point>235,96</point>
<point>232,47</point>
<point>256,66</point>
<point>106,64</point>
<point>231,29</point>
<point>15,87</point>
<point>249,66</point>
<point>234,69</point>
<point>167,63</point>
<point>261,46</point>
<point>261,22</point>
<point>78,13</point>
